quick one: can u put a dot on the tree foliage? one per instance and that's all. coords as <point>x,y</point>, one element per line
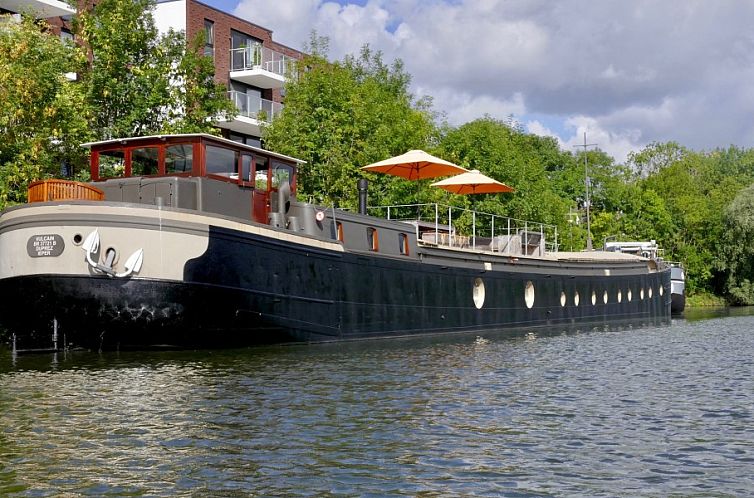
<point>139,83</point>
<point>43,116</point>
<point>343,115</point>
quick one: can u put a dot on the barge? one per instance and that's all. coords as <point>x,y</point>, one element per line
<point>197,241</point>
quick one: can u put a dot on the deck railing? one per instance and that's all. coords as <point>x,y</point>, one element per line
<point>56,190</point>
<point>450,226</point>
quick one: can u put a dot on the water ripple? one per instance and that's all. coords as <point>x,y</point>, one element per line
<point>639,412</point>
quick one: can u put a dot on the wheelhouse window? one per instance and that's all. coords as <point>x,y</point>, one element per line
<point>220,161</point>
<point>179,158</point>
<point>112,163</point>
<point>281,173</point>
<point>246,168</point>
<point>145,161</point>
<point>262,171</point>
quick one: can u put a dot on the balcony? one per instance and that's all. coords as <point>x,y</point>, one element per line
<point>40,8</point>
<point>260,66</point>
<point>253,113</point>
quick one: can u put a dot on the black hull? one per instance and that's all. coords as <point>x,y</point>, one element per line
<point>250,289</point>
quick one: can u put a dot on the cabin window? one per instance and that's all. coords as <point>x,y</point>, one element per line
<point>179,158</point>
<point>529,294</point>
<point>246,164</point>
<point>373,242</point>
<point>478,293</point>
<point>221,162</point>
<point>336,231</point>
<point>281,173</point>
<point>563,299</point>
<point>576,298</point>
<point>112,163</point>
<point>145,161</point>
<point>260,175</point>
<point>403,243</point>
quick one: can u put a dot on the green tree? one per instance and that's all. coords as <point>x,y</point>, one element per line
<point>139,83</point>
<point>339,116</point>
<point>43,116</point>
<point>738,248</point>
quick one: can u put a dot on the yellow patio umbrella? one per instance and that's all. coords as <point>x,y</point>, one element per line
<point>415,165</point>
<point>472,182</point>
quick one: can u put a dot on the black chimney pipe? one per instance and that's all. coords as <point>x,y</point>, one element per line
<point>362,185</point>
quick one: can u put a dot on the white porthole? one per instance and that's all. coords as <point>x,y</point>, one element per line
<point>662,290</point>
<point>562,299</point>
<point>529,294</point>
<point>650,293</point>
<point>576,298</point>
<point>604,297</point>
<point>641,294</point>
<point>594,298</point>
<point>629,295</point>
<point>620,296</point>
<point>478,293</point>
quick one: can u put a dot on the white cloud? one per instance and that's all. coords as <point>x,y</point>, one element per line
<point>628,72</point>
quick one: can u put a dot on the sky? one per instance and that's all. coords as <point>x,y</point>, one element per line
<point>625,72</point>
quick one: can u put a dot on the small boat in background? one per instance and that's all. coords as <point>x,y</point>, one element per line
<point>651,250</point>
<point>677,287</point>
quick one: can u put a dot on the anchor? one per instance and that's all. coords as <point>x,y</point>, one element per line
<point>91,246</point>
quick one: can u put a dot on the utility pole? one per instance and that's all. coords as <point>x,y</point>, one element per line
<point>587,182</point>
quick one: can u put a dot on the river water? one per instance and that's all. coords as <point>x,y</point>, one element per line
<point>665,411</point>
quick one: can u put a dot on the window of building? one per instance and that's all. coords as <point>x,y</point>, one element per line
<point>372,240</point>
<point>209,38</point>
<point>179,158</point>
<point>66,36</point>
<point>145,161</point>
<point>245,51</point>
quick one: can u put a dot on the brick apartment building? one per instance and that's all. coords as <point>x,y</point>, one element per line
<point>56,12</point>
<point>252,66</point>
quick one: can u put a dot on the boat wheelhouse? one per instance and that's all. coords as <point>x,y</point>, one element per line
<point>197,241</point>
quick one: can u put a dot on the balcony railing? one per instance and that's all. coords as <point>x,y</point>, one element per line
<point>259,57</point>
<point>254,107</point>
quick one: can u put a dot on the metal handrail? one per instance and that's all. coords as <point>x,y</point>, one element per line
<point>256,56</point>
<point>457,226</point>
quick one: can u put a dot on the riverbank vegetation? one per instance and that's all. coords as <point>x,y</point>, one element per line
<point>341,115</point>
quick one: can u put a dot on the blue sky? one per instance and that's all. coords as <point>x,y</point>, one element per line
<point>627,72</point>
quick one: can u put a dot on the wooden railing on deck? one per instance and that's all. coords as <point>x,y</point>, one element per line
<point>56,190</point>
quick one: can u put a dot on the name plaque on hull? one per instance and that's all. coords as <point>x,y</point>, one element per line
<point>45,246</point>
